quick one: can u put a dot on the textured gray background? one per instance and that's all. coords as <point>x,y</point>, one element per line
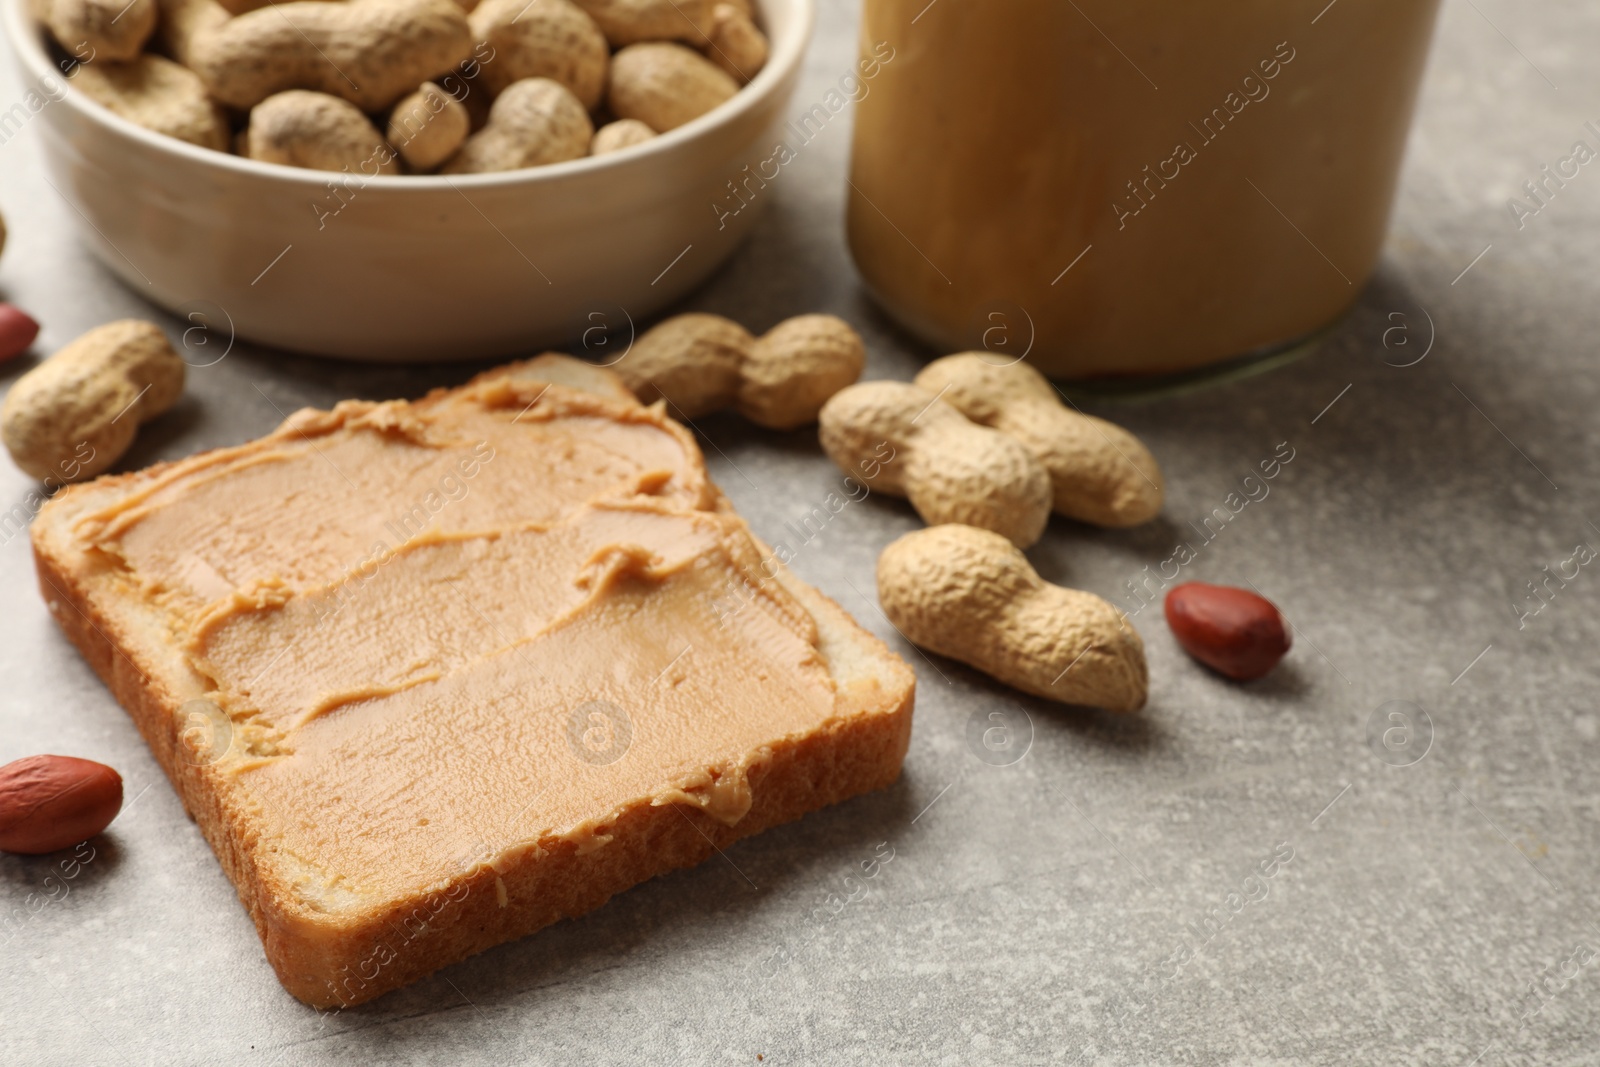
<point>1029,910</point>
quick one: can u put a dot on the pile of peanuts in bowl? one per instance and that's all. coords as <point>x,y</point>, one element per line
<point>391,87</point>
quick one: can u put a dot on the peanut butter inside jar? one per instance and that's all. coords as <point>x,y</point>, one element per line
<point>1129,188</point>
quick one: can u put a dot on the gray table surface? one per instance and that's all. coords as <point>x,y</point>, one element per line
<point>1031,911</point>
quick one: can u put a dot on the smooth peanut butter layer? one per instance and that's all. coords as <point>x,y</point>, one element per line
<point>336,643</point>
<point>532,725</point>
<point>472,641</point>
<point>328,491</point>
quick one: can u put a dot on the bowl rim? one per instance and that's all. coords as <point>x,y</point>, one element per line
<point>27,43</point>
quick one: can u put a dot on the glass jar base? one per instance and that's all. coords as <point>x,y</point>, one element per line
<point>1160,386</point>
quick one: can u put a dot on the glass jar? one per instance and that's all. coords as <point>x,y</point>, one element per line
<point>1129,187</point>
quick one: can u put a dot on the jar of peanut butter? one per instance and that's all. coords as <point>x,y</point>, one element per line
<point>1129,187</point>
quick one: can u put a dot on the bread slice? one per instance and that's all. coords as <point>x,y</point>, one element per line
<point>430,676</point>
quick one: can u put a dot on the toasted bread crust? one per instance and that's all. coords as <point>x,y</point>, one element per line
<point>326,960</point>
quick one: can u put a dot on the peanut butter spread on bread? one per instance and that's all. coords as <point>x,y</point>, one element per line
<point>475,626</point>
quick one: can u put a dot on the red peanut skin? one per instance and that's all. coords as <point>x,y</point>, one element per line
<point>17,331</point>
<point>53,802</point>
<point>1233,631</point>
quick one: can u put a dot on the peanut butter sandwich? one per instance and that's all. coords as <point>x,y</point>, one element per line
<point>432,675</point>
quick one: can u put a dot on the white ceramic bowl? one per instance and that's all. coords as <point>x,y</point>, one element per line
<point>414,268</point>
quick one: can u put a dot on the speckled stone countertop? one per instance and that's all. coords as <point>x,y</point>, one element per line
<point>1430,901</point>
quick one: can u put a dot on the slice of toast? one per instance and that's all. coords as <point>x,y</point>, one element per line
<point>430,676</point>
